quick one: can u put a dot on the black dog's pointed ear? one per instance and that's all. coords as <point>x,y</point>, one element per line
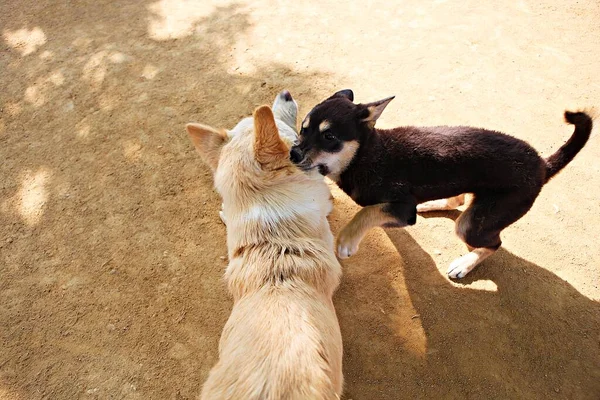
<point>372,111</point>
<point>347,93</point>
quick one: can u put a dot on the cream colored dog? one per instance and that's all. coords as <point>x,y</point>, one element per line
<point>282,340</point>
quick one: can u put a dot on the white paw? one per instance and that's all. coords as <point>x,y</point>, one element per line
<point>460,267</point>
<point>347,246</point>
<point>345,251</point>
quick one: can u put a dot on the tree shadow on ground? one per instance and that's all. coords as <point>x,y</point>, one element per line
<point>110,243</point>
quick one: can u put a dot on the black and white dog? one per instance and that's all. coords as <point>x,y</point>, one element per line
<point>398,172</point>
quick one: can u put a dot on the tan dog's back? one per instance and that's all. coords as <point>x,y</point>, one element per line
<point>282,340</point>
<point>279,343</point>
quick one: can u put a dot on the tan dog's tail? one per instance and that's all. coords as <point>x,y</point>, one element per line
<point>583,127</point>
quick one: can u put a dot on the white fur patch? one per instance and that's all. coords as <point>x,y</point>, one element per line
<point>337,162</point>
<point>273,211</point>
<point>267,214</point>
<point>287,133</point>
<point>460,267</point>
<point>286,111</point>
<point>306,122</point>
<point>246,126</point>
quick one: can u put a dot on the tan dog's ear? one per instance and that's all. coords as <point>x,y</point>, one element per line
<point>269,150</point>
<point>208,141</point>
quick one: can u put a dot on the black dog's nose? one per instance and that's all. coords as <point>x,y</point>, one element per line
<point>296,154</point>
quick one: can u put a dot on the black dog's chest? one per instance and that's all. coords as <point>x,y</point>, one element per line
<point>347,182</point>
<point>368,187</point>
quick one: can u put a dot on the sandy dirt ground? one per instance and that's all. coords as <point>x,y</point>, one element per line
<point>111,248</point>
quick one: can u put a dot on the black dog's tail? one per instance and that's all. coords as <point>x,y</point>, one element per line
<point>566,153</point>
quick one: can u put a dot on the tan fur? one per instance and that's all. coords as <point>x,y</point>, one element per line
<point>368,217</point>
<point>463,224</point>
<point>323,126</point>
<point>375,110</point>
<point>306,122</point>
<point>450,203</point>
<point>269,149</point>
<point>282,340</point>
<point>208,142</point>
<point>337,162</point>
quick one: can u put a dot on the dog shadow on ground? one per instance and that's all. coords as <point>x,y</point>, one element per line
<point>530,334</point>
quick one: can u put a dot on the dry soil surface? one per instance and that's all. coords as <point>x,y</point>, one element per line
<point>111,248</point>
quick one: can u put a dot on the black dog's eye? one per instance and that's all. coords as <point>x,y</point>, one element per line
<point>328,136</point>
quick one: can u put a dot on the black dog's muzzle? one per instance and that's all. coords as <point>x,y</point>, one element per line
<point>296,155</point>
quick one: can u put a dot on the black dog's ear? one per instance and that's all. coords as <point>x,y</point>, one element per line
<point>370,112</point>
<point>347,93</point>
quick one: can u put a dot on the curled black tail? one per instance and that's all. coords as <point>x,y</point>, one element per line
<point>566,153</point>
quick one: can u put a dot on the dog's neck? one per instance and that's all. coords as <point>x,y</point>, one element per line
<point>368,144</point>
<point>264,225</point>
<point>270,243</point>
<point>278,256</point>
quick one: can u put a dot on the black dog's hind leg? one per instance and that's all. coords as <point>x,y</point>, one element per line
<point>479,226</point>
<point>396,214</point>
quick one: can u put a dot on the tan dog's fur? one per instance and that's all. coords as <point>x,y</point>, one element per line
<point>282,340</point>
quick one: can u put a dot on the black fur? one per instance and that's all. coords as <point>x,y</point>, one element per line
<point>564,155</point>
<point>409,165</point>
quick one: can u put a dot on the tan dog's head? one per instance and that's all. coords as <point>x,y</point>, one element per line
<point>253,172</point>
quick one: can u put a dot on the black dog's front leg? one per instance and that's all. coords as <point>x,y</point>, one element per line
<point>396,214</point>
<point>404,214</point>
